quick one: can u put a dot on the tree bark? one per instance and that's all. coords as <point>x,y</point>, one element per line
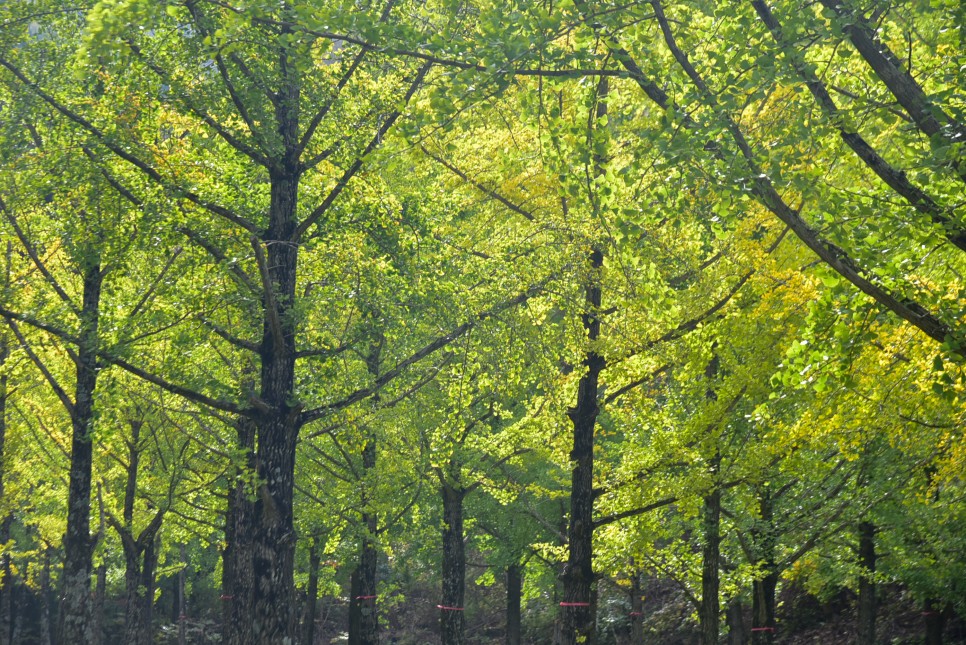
<point>637,609</point>
<point>514,595</point>
<point>363,614</point>
<point>75,607</point>
<point>273,613</point>
<point>867,590</point>
<point>45,601</point>
<point>312,594</point>
<point>100,596</point>
<point>452,622</point>
<point>763,589</point>
<point>139,551</point>
<point>736,623</point>
<point>935,619</point>
<point>710,608</point>
<point>237,577</point>
<point>182,599</point>
<point>6,581</point>
<point>577,619</point>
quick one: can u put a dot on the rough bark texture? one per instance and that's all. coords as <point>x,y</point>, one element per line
<point>763,589</point>
<point>237,577</point>
<point>75,606</point>
<point>452,623</point>
<point>273,553</point>
<point>514,595</point>
<point>363,617</point>
<point>576,615</point>
<point>867,591</point>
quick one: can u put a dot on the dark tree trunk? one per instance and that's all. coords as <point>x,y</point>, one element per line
<point>363,613</point>
<point>935,618</point>
<point>75,606</point>
<point>763,590</point>
<point>273,612</point>
<point>514,595</point>
<point>867,591</point>
<point>312,594</point>
<point>182,599</point>
<point>6,581</point>
<point>710,609</point>
<point>148,581</point>
<point>139,552</point>
<point>100,593</point>
<point>576,615</point>
<point>637,609</point>
<point>45,602</point>
<point>736,623</point>
<point>237,577</point>
<point>763,610</point>
<point>451,619</point>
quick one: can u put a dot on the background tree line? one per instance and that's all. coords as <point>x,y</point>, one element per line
<point>329,300</point>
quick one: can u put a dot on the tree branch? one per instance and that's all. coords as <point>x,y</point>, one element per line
<point>350,172</point>
<point>124,154</point>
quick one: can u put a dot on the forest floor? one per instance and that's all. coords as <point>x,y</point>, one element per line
<point>802,619</point>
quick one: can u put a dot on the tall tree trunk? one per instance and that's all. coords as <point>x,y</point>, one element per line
<point>75,606</point>
<point>6,581</point>
<point>45,601</point>
<point>363,613</point>
<point>237,577</point>
<point>710,609</point>
<point>148,580</point>
<point>637,609</point>
<point>312,594</point>
<point>935,619</point>
<point>867,591</point>
<point>452,622</point>
<point>100,596</point>
<point>139,551</point>
<point>576,616</point>
<point>273,613</point>
<point>514,595</point>
<point>182,599</point>
<point>763,589</point>
<point>736,623</point>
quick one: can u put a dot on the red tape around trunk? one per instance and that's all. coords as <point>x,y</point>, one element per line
<point>445,608</point>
